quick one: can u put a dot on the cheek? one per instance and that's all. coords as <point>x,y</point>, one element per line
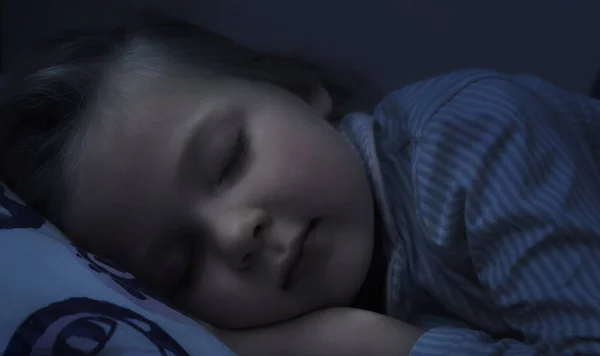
<point>310,171</point>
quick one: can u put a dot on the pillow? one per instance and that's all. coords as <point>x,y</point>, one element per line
<point>59,299</point>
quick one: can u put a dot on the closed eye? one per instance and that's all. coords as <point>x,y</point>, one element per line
<point>235,161</point>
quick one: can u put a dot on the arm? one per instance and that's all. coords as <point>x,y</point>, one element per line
<point>517,169</point>
<point>335,331</point>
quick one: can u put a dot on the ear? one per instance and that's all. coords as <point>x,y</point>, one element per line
<point>320,100</point>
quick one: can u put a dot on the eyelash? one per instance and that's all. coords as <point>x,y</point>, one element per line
<point>235,161</point>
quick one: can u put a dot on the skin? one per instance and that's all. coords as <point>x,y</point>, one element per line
<point>156,194</point>
<point>332,331</point>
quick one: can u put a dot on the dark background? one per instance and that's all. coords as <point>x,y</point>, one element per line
<point>394,42</point>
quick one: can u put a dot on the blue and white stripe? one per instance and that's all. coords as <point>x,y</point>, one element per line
<point>490,191</point>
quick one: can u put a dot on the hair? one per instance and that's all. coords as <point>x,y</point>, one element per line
<point>43,105</point>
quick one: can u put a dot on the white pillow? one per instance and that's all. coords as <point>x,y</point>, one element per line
<point>57,299</point>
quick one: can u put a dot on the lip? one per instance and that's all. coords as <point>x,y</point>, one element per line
<point>295,257</point>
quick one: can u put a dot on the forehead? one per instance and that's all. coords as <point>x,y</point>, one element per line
<point>127,164</point>
<point>138,133</point>
<point>144,129</point>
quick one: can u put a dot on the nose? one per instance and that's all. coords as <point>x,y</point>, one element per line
<point>238,235</point>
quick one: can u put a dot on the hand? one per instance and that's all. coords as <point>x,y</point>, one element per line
<point>335,331</point>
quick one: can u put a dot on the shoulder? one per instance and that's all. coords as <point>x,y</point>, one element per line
<point>417,104</point>
<point>493,126</point>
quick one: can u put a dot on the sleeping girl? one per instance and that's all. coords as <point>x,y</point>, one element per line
<point>460,216</point>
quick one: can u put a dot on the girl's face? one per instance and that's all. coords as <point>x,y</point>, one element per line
<point>234,199</point>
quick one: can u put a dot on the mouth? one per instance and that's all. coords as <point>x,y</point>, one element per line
<point>296,255</point>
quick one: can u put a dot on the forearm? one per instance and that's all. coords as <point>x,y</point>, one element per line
<point>337,331</point>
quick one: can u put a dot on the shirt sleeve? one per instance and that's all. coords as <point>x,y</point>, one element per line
<point>514,177</point>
